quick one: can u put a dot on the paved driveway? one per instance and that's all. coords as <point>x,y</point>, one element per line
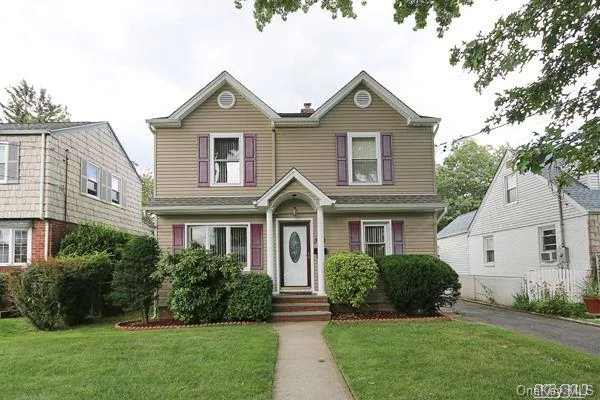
<point>581,337</point>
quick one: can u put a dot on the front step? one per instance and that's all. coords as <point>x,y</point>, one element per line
<point>298,298</point>
<point>299,316</point>
<point>293,307</point>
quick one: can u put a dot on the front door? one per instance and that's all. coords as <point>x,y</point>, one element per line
<point>294,253</point>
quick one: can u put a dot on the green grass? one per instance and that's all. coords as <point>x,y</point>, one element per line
<point>101,362</point>
<point>451,360</point>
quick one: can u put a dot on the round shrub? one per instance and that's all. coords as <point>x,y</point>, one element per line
<point>419,284</point>
<point>350,278</point>
<point>94,238</point>
<point>251,299</point>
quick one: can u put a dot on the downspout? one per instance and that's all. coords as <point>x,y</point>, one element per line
<point>42,174</point>
<point>66,183</point>
<point>561,223</point>
<point>273,158</point>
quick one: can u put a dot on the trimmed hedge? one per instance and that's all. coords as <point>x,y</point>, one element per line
<point>350,278</point>
<point>251,299</point>
<point>419,284</point>
<point>94,238</point>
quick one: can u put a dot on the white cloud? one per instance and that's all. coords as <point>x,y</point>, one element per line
<point>125,61</point>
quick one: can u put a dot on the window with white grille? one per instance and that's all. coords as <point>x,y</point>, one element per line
<point>223,239</point>
<point>376,241</point>
<point>14,246</point>
<point>365,158</point>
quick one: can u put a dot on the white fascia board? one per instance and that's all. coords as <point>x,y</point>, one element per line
<point>167,210</point>
<point>376,87</point>
<point>212,87</point>
<point>263,201</point>
<point>24,132</point>
<point>163,123</point>
<point>302,122</point>
<point>387,207</point>
<point>424,121</point>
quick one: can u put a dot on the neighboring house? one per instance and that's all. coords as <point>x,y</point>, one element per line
<point>518,228</point>
<point>283,190</point>
<point>37,163</point>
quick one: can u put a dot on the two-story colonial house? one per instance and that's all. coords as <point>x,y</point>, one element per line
<point>56,175</point>
<point>283,190</point>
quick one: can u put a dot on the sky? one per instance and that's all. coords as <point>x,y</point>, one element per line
<point>129,60</point>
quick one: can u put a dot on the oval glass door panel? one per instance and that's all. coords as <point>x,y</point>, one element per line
<point>295,247</point>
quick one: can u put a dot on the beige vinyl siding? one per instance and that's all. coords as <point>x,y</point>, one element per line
<point>313,150</point>
<point>22,200</point>
<point>96,144</point>
<point>177,149</point>
<point>537,204</point>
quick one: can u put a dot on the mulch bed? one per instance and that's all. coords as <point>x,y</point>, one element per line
<point>136,325</point>
<point>383,316</point>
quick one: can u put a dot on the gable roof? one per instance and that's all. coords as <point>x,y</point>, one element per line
<point>292,119</point>
<point>460,224</point>
<point>291,175</point>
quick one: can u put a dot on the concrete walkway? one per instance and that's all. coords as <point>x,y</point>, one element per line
<point>578,336</point>
<point>305,368</point>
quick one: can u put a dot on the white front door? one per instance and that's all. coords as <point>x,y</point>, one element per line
<point>294,252</point>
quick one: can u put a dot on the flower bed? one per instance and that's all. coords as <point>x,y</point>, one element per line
<point>137,325</point>
<point>384,316</point>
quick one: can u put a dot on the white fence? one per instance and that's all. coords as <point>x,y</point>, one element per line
<point>553,280</point>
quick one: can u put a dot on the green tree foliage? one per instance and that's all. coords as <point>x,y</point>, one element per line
<point>350,278</point>
<point>147,187</point>
<point>133,282</point>
<point>559,36</point>
<point>26,105</point>
<point>464,177</point>
<point>251,299</point>
<point>92,238</point>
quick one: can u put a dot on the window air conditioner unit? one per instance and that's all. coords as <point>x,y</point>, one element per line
<point>549,255</point>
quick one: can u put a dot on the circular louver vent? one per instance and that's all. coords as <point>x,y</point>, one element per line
<point>226,99</point>
<point>362,99</point>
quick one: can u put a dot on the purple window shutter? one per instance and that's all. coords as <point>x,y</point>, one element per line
<point>203,160</point>
<point>398,236</point>
<point>354,234</point>
<point>256,244</point>
<point>341,144</point>
<point>249,159</point>
<point>178,238</point>
<point>387,166</point>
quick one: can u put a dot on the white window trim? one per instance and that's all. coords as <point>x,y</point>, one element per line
<point>487,263</point>
<point>516,189</point>
<point>228,226</point>
<point>121,194</point>
<point>213,136</point>
<point>377,136</point>
<point>541,230</point>
<point>4,179</point>
<point>387,223</point>
<point>11,248</point>
<point>98,180</point>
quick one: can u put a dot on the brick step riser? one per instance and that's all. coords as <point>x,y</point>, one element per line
<point>291,307</point>
<point>307,299</point>
<point>300,318</point>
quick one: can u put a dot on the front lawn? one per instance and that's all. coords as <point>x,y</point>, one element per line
<point>451,360</point>
<point>100,362</point>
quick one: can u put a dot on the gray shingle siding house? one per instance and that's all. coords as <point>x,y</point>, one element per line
<point>56,175</point>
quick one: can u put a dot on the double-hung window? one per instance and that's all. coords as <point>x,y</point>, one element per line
<point>223,239</point>
<point>116,189</point>
<point>365,158</point>
<point>3,162</point>
<point>376,238</point>
<point>226,159</point>
<point>93,179</point>
<point>14,246</point>
<point>548,244</point>
<point>511,188</point>
<point>488,250</point>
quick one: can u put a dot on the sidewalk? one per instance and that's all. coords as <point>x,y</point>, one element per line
<point>305,368</point>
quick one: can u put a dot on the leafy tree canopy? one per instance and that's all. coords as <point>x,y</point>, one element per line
<point>26,105</point>
<point>464,176</point>
<point>559,36</point>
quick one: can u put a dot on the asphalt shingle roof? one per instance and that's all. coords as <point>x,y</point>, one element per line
<point>583,195</point>
<point>389,199</point>
<point>461,224</point>
<point>42,126</point>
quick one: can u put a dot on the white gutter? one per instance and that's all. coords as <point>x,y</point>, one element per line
<point>387,207</point>
<point>42,174</point>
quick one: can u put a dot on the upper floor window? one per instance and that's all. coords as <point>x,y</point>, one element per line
<point>9,162</point>
<point>116,189</point>
<point>223,239</point>
<point>14,246</point>
<point>226,160</point>
<point>93,179</point>
<point>511,188</point>
<point>376,238</point>
<point>548,244</point>
<point>365,158</point>
<point>488,249</point>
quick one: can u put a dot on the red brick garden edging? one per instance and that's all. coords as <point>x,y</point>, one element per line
<point>442,317</point>
<point>170,324</point>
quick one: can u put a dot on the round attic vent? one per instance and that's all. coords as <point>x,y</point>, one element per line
<point>226,99</point>
<point>362,99</point>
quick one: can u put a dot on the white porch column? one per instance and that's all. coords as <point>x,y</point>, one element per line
<point>270,247</point>
<point>321,249</point>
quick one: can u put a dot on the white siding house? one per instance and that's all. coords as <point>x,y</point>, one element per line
<point>517,229</point>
